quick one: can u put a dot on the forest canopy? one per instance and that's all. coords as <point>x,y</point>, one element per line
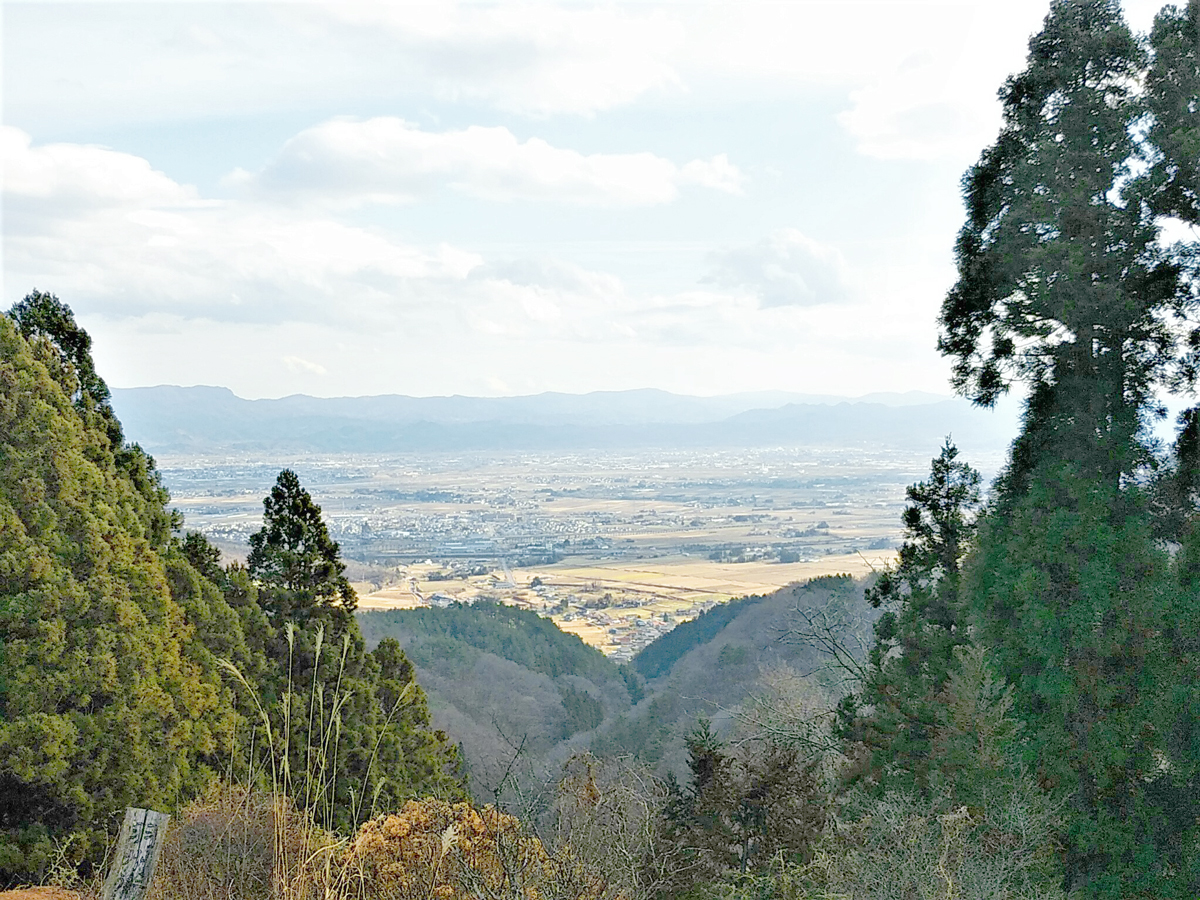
<point>111,627</point>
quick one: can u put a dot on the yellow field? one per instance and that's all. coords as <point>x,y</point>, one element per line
<point>699,580</point>
<point>390,598</point>
<point>651,587</point>
<point>593,635</point>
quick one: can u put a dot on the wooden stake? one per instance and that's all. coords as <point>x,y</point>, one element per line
<point>138,848</point>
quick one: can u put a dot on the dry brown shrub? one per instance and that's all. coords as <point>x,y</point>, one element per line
<point>434,850</point>
<point>237,843</point>
<point>45,892</point>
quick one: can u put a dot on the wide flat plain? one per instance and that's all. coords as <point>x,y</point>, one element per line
<point>615,547</point>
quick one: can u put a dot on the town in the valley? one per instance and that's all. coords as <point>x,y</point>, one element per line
<point>615,548</point>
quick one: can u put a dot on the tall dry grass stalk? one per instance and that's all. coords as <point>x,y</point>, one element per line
<point>307,859</point>
<point>278,841</point>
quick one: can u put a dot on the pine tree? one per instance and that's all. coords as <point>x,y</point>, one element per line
<point>386,751</point>
<point>295,560</point>
<point>895,711</point>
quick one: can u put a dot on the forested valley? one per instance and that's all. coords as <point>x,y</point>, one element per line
<point>1011,710</point>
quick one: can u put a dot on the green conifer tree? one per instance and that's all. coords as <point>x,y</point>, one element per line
<point>295,560</point>
<point>109,696</point>
<point>1064,285</point>
<point>1062,282</point>
<point>112,632</point>
<point>386,750</point>
<point>895,711</point>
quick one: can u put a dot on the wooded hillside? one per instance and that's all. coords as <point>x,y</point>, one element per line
<point>112,628</point>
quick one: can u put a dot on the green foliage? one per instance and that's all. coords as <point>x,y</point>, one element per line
<point>835,584</point>
<point>741,810</point>
<point>113,634</point>
<point>1173,99</point>
<point>320,671</point>
<point>515,634</point>
<point>42,315</point>
<point>584,711</point>
<point>658,658</point>
<point>733,655</point>
<point>635,684</point>
<point>110,697</point>
<point>202,556</point>
<point>1174,489</point>
<point>1062,282</point>
<point>937,532</point>
<point>1078,600</point>
<point>902,846</point>
<point>896,707</point>
<point>983,829</point>
<point>295,560</point>
<point>644,736</point>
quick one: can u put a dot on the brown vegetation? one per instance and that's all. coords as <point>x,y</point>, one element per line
<point>41,893</point>
<point>235,842</point>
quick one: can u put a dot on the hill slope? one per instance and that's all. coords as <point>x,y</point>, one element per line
<point>498,677</point>
<point>111,628</point>
<point>713,665</point>
<point>108,695</point>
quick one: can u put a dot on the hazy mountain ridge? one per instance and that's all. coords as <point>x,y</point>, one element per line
<point>169,419</point>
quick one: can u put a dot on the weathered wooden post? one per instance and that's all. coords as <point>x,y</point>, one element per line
<point>138,847</point>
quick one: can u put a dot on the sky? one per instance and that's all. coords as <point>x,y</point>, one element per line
<point>502,198</point>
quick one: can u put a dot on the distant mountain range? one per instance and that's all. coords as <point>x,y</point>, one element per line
<point>169,419</point>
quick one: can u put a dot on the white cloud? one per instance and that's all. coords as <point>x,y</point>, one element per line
<point>785,269</point>
<point>297,365</point>
<point>73,175</point>
<point>532,58</point>
<point>159,62</point>
<point>717,173</point>
<point>111,229</point>
<point>387,160</point>
<point>178,288</point>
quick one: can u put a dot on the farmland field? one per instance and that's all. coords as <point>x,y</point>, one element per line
<point>616,548</point>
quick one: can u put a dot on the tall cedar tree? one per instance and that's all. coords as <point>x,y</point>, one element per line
<point>1173,99</point>
<point>1094,626</point>
<point>896,710</point>
<point>1173,190</point>
<point>386,752</point>
<point>1064,284</point>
